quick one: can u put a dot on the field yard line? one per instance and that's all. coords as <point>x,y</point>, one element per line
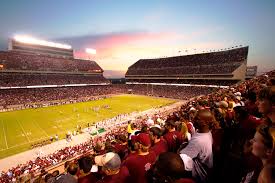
<point>23,130</point>
<point>41,128</point>
<point>5,134</point>
<point>23,144</point>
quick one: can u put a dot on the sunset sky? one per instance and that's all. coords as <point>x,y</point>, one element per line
<point>124,31</point>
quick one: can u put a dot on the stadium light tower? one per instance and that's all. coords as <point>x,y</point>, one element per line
<point>90,52</point>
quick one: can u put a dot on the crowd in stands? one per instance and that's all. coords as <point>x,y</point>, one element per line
<point>200,69</point>
<point>32,79</point>
<point>186,81</point>
<point>28,98</point>
<point>206,63</point>
<point>11,60</point>
<point>226,136</point>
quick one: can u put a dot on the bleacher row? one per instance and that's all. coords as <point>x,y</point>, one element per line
<point>206,63</point>
<point>32,79</point>
<point>11,60</point>
<point>204,69</point>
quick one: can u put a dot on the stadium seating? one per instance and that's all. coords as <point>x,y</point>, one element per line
<point>12,60</point>
<point>233,159</point>
<point>218,65</point>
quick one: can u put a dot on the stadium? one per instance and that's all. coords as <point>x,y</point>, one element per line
<point>196,116</point>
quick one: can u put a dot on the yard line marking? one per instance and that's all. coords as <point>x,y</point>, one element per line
<point>5,135</point>
<point>23,130</point>
<point>35,122</point>
<point>24,144</point>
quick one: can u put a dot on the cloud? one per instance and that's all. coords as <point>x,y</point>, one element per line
<point>117,51</point>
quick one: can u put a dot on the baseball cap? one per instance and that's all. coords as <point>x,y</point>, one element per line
<point>142,138</point>
<point>109,160</point>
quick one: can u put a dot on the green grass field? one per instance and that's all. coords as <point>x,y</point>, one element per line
<point>20,129</point>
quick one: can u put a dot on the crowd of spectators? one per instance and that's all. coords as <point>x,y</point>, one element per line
<point>186,81</point>
<point>32,79</point>
<point>206,63</point>
<point>32,97</point>
<point>11,60</point>
<point>225,136</point>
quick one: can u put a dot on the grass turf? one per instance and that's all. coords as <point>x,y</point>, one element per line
<point>20,129</point>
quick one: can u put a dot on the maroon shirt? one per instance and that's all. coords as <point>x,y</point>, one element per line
<point>160,147</point>
<point>185,180</point>
<point>138,166</point>
<point>174,140</point>
<point>121,177</point>
<point>88,178</point>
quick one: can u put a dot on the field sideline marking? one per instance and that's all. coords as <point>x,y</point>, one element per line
<point>41,128</point>
<point>5,135</point>
<point>23,130</point>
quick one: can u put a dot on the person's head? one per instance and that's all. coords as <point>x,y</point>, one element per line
<point>132,145</point>
<point>85,164</point>
<point>55,173</point>
<point>110,163</point>
<point>122,138</point>
<point>168,168</point>
<point>252,96</point>
<point>170,124</point>
<point>267,174</point>
<point>263,142</point>
<point>205,121</point>
<point>48,177</point>
<point>144,129</point>
<point>241,113</point>
<point>72,168</point>
<point>155,133</point>
<point>133,126</point>
<point>266,100</point>
<point>143,142</point>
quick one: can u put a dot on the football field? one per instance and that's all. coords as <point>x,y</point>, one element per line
<point>20,129</point>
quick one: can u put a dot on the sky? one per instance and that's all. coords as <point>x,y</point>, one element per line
<point>124,31</point>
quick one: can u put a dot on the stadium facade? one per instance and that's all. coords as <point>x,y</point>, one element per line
<point>221,68</point>
<point>26,64</point>
<point>251,72</point>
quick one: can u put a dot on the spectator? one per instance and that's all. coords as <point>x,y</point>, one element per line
<point>266,104</point>
<point>169,168</point>
<point>174,138</point>
<point>70,176</point>
<point>197,155</point>
<point>85,164</point>
<point>111,166</point>
<point>159,144</point>
<point>139,164</point>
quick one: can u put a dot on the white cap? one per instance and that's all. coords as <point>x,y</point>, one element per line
<point>109,160</point>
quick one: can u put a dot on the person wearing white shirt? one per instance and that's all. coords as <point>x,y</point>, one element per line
<point>197,155</point>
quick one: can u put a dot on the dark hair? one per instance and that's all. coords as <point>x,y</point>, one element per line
<point>252,96</point>
<point>156,131</point>
<point>170,122</point>
<point>85,164</point>
<point>241,111</point>
<point>55,173</point>
<point>133,125</point>
<point>170,165</point>
<point>72,168</point>
<point>48,176</point>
